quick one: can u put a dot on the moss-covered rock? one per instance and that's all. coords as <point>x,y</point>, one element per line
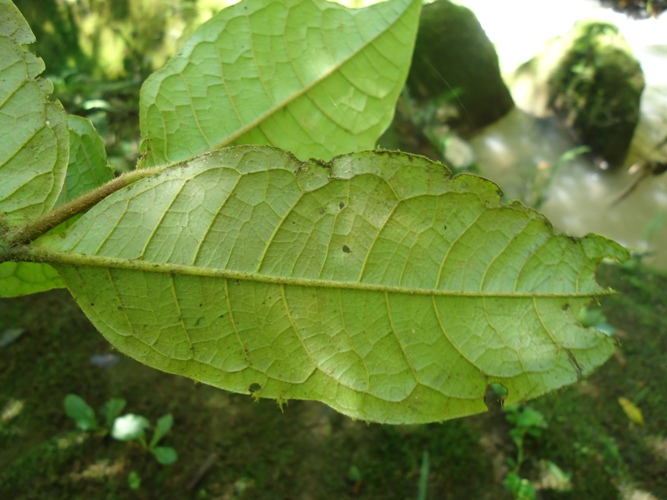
<point>597,87</point>
<point>454,58</point>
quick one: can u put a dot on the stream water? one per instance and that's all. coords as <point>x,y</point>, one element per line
<point>579,198</point>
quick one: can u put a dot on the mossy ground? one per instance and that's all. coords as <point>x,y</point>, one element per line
<point>308,451</point>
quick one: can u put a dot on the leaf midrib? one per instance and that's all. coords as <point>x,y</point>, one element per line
<point>95,261</point>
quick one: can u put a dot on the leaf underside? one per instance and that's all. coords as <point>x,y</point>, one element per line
<point>33,129</point>
<point>87,169</point>
<point>308,76</point>
<point>375,283</point>
<point>23,278</point>
<point>33,147</point>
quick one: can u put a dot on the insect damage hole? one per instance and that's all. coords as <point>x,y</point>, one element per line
<point>495,395</point>
<point>254,389</point>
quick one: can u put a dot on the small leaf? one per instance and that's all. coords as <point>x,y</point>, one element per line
<point>162,426</point>
<point>23,278</point>
<point>230,270</point>
<point>10,335</point>
<point>309,76</point>
<point>134,480</point>
<point>354,474</point>
<point>631,411</point>
<point>165,455</point>
<point>81,412</point>
<point>553,477</point>
<point>531,419</point>
<point>520,488</point>
<point>111,409</point>
<point>87,168</point>
<point>129,427</point>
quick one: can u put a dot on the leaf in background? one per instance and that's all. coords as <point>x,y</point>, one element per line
<point>23,278</point>
<point>33,129</point>
<point>111,409</point>
<point>81,412</point>
<point>309,76</point>
<point>10,335</point>
<point>165,455</point>
<point>86,170</point>
<point>631,411</point>
<point>162,426</point>
<point>374,283</point>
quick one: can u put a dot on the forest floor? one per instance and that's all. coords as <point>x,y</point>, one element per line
<point>307,451</point>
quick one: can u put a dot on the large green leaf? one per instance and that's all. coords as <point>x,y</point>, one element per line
<point>309,76</point>
<point>87,169</point>
<point>33,129</point>
<point>375,283</point>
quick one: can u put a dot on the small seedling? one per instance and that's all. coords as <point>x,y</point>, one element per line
<point>526,421</point>
<point>134,480</point>
<point>128,427</point>
<point>132,427</point>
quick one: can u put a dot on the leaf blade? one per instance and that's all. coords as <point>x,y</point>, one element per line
<point>267,72</point>
<point>24,278</point>
<point>87,169</point>
<point>260,296</point>
<point>33,129</point>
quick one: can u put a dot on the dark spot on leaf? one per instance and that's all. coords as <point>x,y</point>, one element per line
<point>445,228</point>
<point>566,306</point>
<point>346,249</point>
<point>341,205</point>
<point>499,192</point>
<point>254,388</point>
<point>322,211</point>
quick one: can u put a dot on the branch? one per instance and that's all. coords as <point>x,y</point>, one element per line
<point>32,230</point>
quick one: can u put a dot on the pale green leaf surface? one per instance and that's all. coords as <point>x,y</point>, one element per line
<point>13,25</point>
<point>87,169</point>
<point>24,278</point>
<point>376,283</point>
<point>33,131</point>
<point>308,76</point>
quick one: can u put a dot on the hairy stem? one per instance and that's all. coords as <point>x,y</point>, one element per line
<point>32,230</point>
